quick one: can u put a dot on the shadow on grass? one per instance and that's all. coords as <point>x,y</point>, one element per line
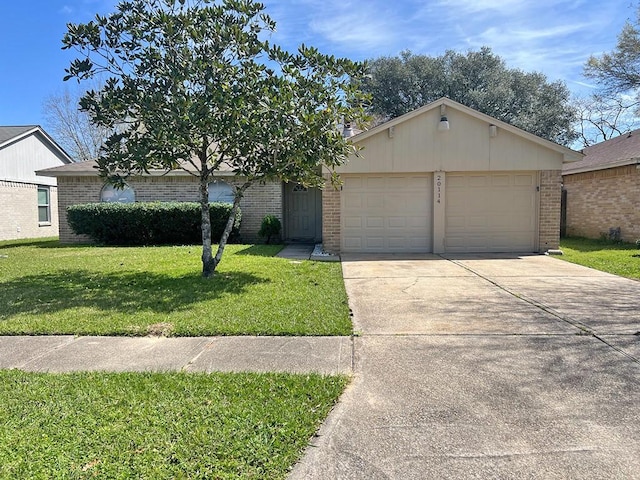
<point>261,250</point>
<point>124,293</point>
<point>32,243</point>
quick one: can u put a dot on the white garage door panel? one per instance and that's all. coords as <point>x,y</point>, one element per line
<point>387,213</point>
<point>490,212</point>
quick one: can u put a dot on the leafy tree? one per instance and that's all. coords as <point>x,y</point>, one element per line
<point>618,72</point>
<point>72,127</point>
<point>190,84</point>
<point>615,108</point>
<point>479,80</point>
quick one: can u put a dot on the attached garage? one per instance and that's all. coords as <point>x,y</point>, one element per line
<point>387,213</point>
<point>491,212</point>
<point>447,179</point>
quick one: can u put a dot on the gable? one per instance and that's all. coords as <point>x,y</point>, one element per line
<point>21,158</point>
<point>413,143</point>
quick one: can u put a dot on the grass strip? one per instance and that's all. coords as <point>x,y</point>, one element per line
<point>158,425</point>
<point>618,258</point>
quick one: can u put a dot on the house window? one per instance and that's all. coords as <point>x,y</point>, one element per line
<point>110,193</point>
<point>44,206</point>
<point>221,192</point>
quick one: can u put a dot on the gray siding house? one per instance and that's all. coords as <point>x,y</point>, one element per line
<point>28,202</point>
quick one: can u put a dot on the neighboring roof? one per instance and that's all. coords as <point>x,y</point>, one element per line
<point>616,152</point>
<point>11,134</point>
<point>8,133</point>
<point>568,154</point>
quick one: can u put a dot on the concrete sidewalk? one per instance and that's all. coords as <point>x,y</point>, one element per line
<point>326,355</point>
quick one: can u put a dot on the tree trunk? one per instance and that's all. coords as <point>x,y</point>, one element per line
<point>208,263</point>
<point>229,226</point>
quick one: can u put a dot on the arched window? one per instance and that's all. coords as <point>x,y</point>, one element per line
<point>110,193</point>
<point>221,192</point>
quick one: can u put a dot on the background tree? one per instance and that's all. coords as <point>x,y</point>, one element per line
<point>72,127</point>
<point>479,80</point>
<point>618,72</point>
<point>614,109</point>
<point>602,118</point>
<point>191,85</point>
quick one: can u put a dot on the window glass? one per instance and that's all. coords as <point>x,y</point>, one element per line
<point>44,210</point>
<point>220,192</point>
<point>110,193</point>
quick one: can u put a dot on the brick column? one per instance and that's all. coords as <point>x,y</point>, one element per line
<point>550,192</point>
<point>330,217</point>
<point>72,191</point>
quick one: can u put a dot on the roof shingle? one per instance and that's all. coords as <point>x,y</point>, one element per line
<point>619,151</point>
<point>7,133</point>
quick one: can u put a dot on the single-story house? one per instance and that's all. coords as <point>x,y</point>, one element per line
<point>603,190</point>
<point>444,178</point>
<point>28,202</point>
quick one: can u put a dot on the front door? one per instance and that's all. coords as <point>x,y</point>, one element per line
<point>303,212</point>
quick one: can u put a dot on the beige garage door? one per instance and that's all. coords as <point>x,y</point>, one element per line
<point>490,212</point>
<point>387,213</point>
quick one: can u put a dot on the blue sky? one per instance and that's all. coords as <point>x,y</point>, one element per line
<point>554,37</point>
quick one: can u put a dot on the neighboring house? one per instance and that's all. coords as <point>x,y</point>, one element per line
<point>603,189</point>
<point>28,202</point>
<point>421,184</point>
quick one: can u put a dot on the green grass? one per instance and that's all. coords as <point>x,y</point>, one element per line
<point>86,290</point>
<point>160,426</point>
<point>618,258</point>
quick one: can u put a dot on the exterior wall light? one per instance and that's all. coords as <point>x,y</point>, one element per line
<point>443,126</point>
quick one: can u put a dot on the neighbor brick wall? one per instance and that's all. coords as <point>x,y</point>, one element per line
<point>604,199</point>
<point>258,201</point>
<point>330,217</point>
<point>19,211</point>
<point>550,193</point>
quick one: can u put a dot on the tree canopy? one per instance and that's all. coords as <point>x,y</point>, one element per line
<point>614,109</point>
<point>618,72</point>
<point>191,84</point>
<point>479,80</point>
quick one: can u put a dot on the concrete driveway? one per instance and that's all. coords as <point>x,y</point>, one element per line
<point>486,367</point>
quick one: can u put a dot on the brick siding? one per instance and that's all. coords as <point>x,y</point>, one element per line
<point>19,211</point>
<point>330,217</point>
<point>604,199</point>
<point>549,216</point>
<point>258,201</point>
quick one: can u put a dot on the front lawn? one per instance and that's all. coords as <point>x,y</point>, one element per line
<point>618,258</point>
<point>161,426</point>
<point>86,290</point>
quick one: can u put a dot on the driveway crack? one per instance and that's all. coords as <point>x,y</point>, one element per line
<point>584,329</point>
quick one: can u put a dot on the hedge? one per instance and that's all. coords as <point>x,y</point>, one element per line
<point>149,223</point>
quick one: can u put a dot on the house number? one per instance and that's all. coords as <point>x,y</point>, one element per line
<point>439,188</point>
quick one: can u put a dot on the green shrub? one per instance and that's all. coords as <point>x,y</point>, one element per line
<point>149,223</point>
<point>270,227</point>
